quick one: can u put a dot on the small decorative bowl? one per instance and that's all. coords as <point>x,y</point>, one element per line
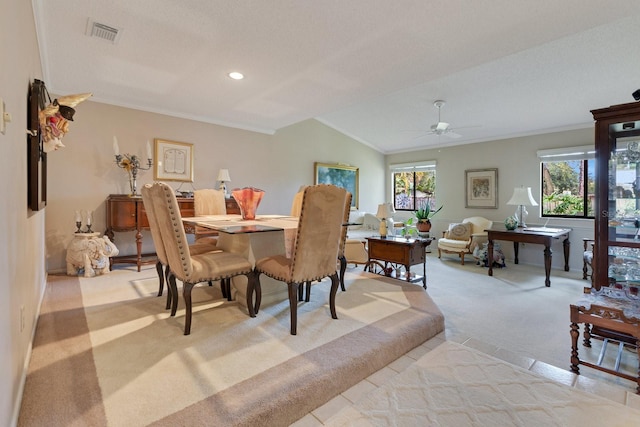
<point>511,223</point>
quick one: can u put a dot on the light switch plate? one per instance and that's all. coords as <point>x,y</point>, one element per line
<point>2,124</point>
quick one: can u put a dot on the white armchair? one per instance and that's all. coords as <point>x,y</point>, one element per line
<point>462,238</point>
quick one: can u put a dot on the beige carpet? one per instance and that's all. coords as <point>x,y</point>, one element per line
<point>107,353</point>
<point>458,386</point>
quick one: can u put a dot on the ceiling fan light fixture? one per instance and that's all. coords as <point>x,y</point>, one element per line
<point>442,126</point>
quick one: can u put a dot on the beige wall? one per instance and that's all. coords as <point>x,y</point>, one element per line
<point>517,164</point>
<point>83,174</point>
<point>22,244</point>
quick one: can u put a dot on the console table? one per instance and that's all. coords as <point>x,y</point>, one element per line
<point>542,236</point>
<point>126,213</point>
<point>399,251</point>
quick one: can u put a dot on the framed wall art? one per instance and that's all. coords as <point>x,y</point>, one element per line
<point>343,176</point>
<point>481,188</point>
<point>173,161</point>
<point>36,156</point>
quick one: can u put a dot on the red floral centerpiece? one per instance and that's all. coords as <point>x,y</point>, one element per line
<point>248,199</point>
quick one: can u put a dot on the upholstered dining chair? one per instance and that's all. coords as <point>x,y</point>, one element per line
<point>208,201</point>
<point>315,252</point>
<point>162,266</point>
<point>341,255</point>
<point>462,238</point>
<point>193,269</point>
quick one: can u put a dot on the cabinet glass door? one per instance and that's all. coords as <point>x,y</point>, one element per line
<point>623,209</point>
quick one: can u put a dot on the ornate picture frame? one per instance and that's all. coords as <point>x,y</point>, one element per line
<point>173,161</point>
<point>481,188</point>
<point>344,176</point>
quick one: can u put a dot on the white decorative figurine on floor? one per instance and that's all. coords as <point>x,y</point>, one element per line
<point>90,253</point>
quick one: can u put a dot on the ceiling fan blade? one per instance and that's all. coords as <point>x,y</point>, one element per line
<point>452,134</point>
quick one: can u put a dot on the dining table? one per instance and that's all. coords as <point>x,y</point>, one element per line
<point>264,236</point>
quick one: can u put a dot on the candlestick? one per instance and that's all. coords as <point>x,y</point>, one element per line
<point>116,149</point>
<point>78,222</point>
<point>149,156</point>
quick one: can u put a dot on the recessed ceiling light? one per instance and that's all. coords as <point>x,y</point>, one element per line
<point>236,75</point>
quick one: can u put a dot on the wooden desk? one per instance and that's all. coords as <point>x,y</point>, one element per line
<point>401,251</point>
<point>537,236</point>
<point>126,213</point>
<point>607,318</point>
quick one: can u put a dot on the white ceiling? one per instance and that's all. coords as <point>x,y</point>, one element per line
<point>369,68</point>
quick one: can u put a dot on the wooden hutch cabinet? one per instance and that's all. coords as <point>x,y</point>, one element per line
<point>617,203</point>
<point>126,213</point>
<point>610,310</point>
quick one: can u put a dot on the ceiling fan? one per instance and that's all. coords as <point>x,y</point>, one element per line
<point>442,128</point>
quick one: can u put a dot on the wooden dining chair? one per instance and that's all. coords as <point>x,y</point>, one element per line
<point>193,269</point>
<point>315,252</point>
<point>162,266</point>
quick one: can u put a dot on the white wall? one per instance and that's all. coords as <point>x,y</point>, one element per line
<point>22,245</point>
<point>517,164</point>
<point>83,174</point>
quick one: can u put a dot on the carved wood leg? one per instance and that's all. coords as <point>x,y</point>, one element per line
<point>293,306</point>
<point>251,288</point>
<point>332,295</point>
<point>587,335</point>
<point>575,360</point>
<point>170,292</point>
<point>258,290</point>
<point>424,274</point>
<point>343,269</point>
<point>139,248</point>
<point>567,248</point>
<point>516,249</point>
<point>160,271</point>
<point>186,292</point>
<point>174,295</point>
<point>307,297</point>
<point>223,287</point>
<point>547,265</point>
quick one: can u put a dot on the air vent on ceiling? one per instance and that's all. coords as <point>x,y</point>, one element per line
<point>103,31</point>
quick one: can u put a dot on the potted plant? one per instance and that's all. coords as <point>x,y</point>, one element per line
<point>424,215</point>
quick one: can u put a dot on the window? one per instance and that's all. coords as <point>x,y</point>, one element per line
<point>568,182</point>
<point>414,185</point>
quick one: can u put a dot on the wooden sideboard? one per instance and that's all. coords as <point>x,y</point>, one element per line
<point>126,213</point>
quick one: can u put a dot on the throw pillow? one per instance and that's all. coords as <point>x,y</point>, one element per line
<point>460,231</point>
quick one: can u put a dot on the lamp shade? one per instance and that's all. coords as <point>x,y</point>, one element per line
<point>223,175</point>
<point>385,210</point>
<point>522,196</point>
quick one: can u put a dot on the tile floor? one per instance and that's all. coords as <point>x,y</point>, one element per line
<point>616,389</point>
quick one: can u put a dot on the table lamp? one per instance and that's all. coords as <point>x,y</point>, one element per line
<point>385,211</point>
<point>223,177</point>
<point>522,197</point>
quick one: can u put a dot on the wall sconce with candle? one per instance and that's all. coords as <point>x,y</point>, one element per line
<point>131,163</point>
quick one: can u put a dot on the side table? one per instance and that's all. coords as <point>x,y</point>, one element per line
<point>608,318</point>
<point>398,251</point>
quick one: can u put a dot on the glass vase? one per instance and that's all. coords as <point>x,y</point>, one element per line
<point>248,199</point>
